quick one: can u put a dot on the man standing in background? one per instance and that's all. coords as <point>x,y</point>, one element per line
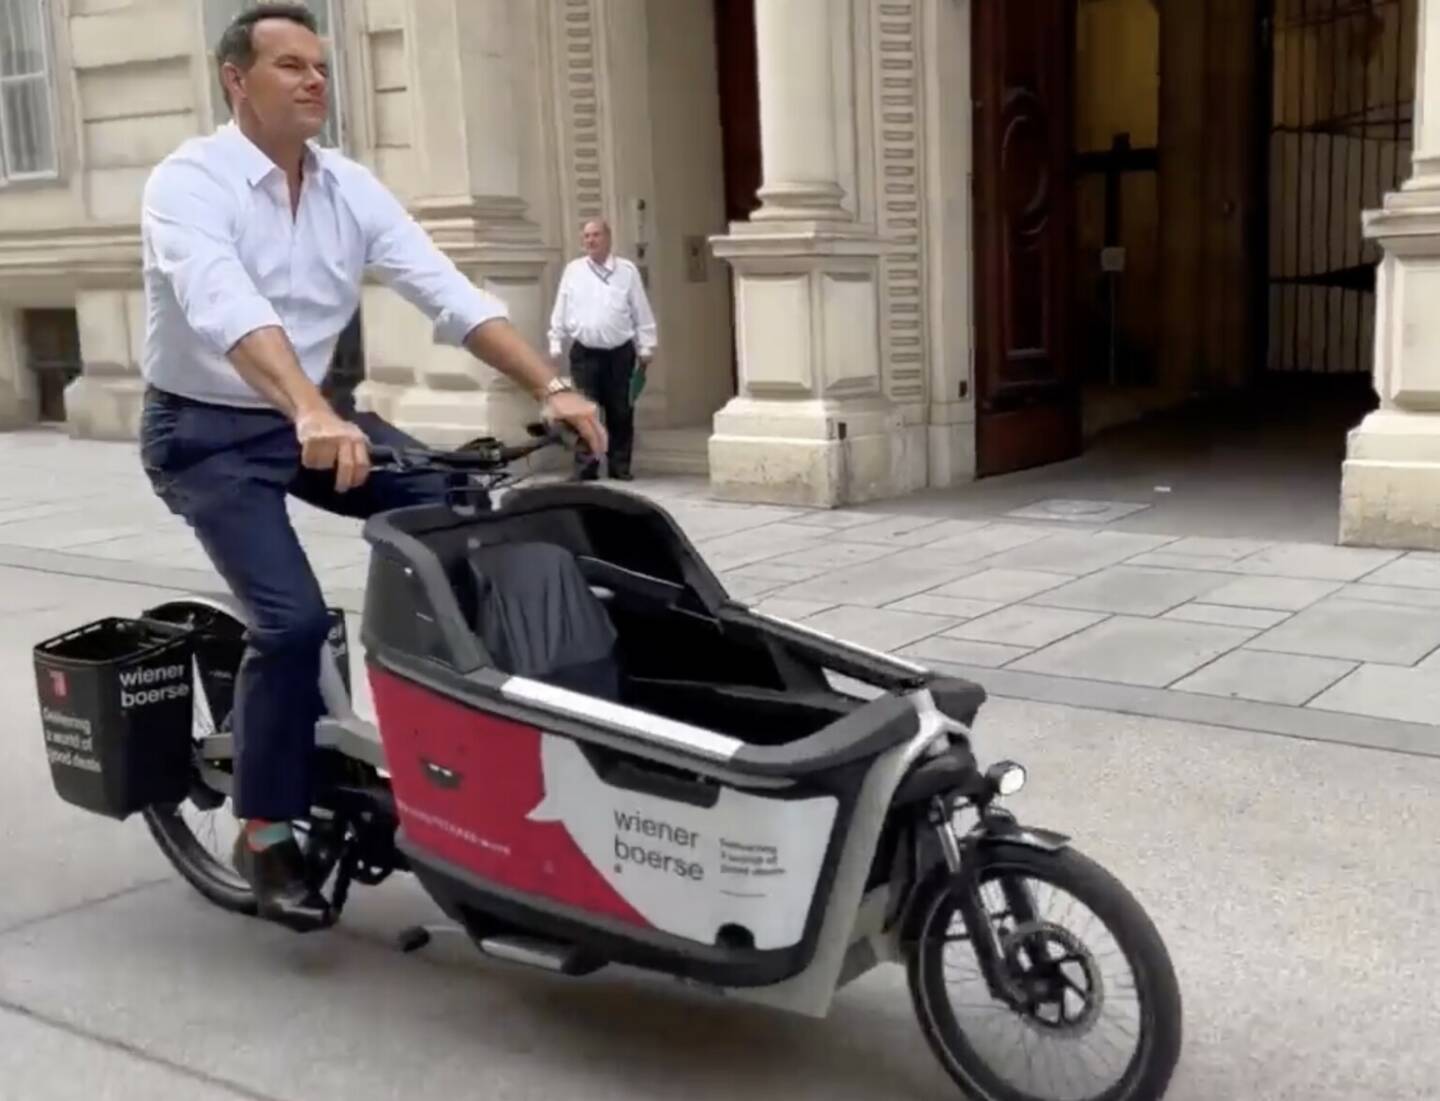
<point>602,309</point>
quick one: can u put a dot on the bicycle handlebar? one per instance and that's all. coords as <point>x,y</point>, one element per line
<point>480,456</point>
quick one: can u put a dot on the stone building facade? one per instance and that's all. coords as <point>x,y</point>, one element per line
<point>843,210</point>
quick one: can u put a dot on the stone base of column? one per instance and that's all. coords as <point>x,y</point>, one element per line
<point>812,425</point>
<point>1390,488</point>
<point>103,407</point>
<point>822,454</point>
<point>951,445</point>
<point>19,393</point>
<point>17,409</point>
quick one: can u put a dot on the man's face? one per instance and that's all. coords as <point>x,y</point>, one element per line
<point>597,240</point>
<point>285,89</point>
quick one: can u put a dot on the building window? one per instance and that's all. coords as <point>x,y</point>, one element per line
<point>27,105</point>
<point>218,14</point>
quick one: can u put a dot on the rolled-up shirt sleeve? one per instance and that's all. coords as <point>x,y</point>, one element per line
<point>188,219</point>
<point>407,261</point>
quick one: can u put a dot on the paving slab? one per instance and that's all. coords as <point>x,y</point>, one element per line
<point>706,520</point>
<point>1004,585</point>
<point>1418,571</point>
<point>1352,630</point>
<point>1129,650</point>
<point>991,539</point>
<point>783,570</point>
<point>153,548</point>
<point>953,606</point>
<point>1226,616</point>
<point>1314,560</point>
<point>64,532</point>
<point>832,554</point>
<point>44,1061</point>
<point>1166,559</point>
<point>1269,678</point>
<point>836,519</point>
<point>1025,625</point>
<point>1286,594</point>
<point>943,648</point>
<point>1079,553</point>
<point>1133,590</point>
<point>1205,546</point>
<point>1386,692</point>
<point>757,544</point>
<point>747,588</point>
<point>878,628</point>
<point>786,608</point>
<point>907,531</point>
<point>877,583</point>
<point>1391,594</point>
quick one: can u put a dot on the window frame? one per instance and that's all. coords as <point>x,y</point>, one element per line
<point>47,79</point>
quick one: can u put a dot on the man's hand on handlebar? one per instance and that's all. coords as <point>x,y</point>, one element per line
<point>580,414</point>
<point>328,440</point>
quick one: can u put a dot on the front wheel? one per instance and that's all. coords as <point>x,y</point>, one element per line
<point>1091,1009</point>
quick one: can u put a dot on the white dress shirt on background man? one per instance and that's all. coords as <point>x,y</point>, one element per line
<point>602,305</point>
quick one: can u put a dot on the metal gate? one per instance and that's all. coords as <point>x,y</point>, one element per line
<point>1342,105</point>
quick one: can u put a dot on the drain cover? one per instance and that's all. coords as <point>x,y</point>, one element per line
<point>1077,511</point>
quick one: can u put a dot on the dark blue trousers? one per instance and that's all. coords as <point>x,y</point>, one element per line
<point>228,472</point>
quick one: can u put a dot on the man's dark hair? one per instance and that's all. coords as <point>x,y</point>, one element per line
<point>237,44</point>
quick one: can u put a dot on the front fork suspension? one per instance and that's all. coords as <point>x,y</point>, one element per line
<point>962,858</point>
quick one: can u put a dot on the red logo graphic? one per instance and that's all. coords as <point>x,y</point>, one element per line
<point>59,686</point>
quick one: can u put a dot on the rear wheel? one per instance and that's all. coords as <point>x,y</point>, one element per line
<point>1093,1007</point>
<point>197,835</point>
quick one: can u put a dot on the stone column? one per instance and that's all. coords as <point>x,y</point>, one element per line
<point>105,402</point>
<point>1426,173</point>
<point>811,424</point>
<point>475,81</point>
<point>1390,490</point>
<point>797,111</point>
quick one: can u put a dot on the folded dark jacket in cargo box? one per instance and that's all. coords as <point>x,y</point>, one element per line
<point>537,617</point>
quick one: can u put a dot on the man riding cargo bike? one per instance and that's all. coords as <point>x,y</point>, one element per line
<point>255,242</point>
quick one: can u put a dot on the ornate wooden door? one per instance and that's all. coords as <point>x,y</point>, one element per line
<point>1027,398</point>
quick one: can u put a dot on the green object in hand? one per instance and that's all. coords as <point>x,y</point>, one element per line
<point>637,384</point>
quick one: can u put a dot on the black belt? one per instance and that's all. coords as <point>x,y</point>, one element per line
<point>172,400</point>
<point>617,348</point>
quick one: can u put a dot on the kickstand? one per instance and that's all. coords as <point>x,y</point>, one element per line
<point>419,936</point>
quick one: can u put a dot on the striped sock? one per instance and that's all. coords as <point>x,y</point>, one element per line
<point>260,836</point>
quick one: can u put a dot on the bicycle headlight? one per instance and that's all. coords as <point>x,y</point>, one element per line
<point>1006,778</point>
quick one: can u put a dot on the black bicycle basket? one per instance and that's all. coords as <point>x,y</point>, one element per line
<point>117,713</point>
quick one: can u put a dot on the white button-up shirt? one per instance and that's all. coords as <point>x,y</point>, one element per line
<point>602,306</point>
<point>223,256</point>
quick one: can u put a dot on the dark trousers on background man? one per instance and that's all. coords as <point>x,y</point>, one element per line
<point>603,375</point>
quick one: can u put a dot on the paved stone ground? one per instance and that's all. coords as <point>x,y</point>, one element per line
<point>1293,880</point>
<point>1044,601</point>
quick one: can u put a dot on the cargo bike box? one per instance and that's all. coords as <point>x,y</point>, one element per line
<point>587,737</point>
